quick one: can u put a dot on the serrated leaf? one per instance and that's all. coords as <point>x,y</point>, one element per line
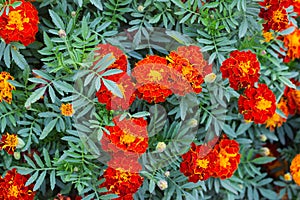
<point>32,178</point>
<point>52,180</point>
<point>57,21</point>
<point>263,160</point>
<point>38,160</point>
<point>19,59</point>
<point>113,87</point>
<point>36,95</point>
<point>46,157</point>
<point>39,181</point>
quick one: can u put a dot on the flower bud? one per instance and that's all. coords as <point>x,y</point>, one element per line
<point>167,173</point>
<point>263,52</point>
<point>62,33</point>
<point>76,169</point>
<point>141,8</point>
<point>287,176</point>
<point>193,122</point>
<point>264,151</point>
<point>161,146</point>
<point>73,13</point>
<point>263,138</point>
<point>17,155</point>
<point>210,78</point>
<point>162,184</point>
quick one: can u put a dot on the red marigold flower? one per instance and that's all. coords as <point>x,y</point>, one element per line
<point>6,87</point>
<point>276,17</point>
<point>113,102</point>
<point>125,160</point>
<point>12,186</point>
<point>242,69</point>
<point>121,182</point>
<point>9,143</point>
<point>293,98</point>
<point>21,23</point>
<point>152,79</point>
<point>295,169</point>
<point>190,68</point>
<point>291,42</point>
<point>276,120</point>
<point>129,135</point>
<point>198,163</point>
<point>228,158</point>
<point>257,104</point>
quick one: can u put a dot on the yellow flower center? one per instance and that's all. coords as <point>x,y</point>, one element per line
<point>127,138</point>
<point>268,36</point>
<point>202,163</point>
<point>224,158</point>
<point>244,66</point>
<point>155,75</point>
<point>15,20</point>
<point>263,104</point>
<point>278,15</point>
<point>13,191</point>
<point>11,141</point>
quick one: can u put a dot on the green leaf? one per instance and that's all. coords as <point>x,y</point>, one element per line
<point>32,178</point>
<point>52,180</point>
<point>29,161</point>
<point>48,129</point>
<point>40,180</point>
<point>36,95</point>
<point>97,3</point>
<point>57,21</point>
<point>19,59</point>
<point>113,87</point>
<point>46,157</point>
<point>151,186</point>
<point>263,160</point>
<point>287,82</point>
<point>38,160</point>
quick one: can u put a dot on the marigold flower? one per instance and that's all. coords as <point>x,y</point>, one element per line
<point>295,169</point>
<point>21,23</point>
<point>268,36</point>
<point>257,104</point>
<point>5,87</point>
<point>67,109</point>
<point>128,135</point>
<point>153,79</point>
<point>287,177</point>
<point>190,68</point>
<point>275,16</point>
<point>242,69</point>
<point>293,98</point>
<point>125,160</point>
<point>276,120</point>
<point>9,143</point>
<point>291,42</point>
<point>12,186</point>
<point>228,158</point>
<point>198,163</point>
<point>121,182</point>
<point>114,102</point>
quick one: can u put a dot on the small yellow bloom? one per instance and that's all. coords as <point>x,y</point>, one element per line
<point>67,109</point>
<point>268,36</point>
<point>287,177</point>
<point>295,169</point>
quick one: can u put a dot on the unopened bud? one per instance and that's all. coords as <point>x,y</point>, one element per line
<point>263,138</point>
<point>17,155</point>
<point>162,184</point>
<point>73,13</point>
<point>141,8</point>
<point>76,169</point>
<point>263,52</point>
<point>161,146</point>
<point>265,151</point>
<point>167,173</point>
<point>210,78</point>
<point>287,176</point>
<point>193,122</point>
<point>62,33</point>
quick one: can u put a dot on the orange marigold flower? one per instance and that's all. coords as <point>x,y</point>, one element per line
<point>198,163</point>
<point>125,160</point>
<point>257,104</point>
<point>268,36</point>
<point>291,42</point>
<point>152,79</point>
<point>12,186</point>
<point>228,158</point>
<point>113,102</point>
<point>67,109</point>
<point>9,143</point>
<point>242,69</point>
<point>295,169</point>
<point>6,87</point>
<point>190,68</point>
<point>121,182</point>
<point>276,120</point>
<point>275,16</point>
<point>128,135</point>
<point>293,98</point>
<point>21,23</point>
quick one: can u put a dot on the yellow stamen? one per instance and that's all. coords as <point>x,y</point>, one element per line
<point>155,75</point>
<point>15,18</point>
<point>263,104</point>
<point>203,163</point>
<point>13,191</point>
